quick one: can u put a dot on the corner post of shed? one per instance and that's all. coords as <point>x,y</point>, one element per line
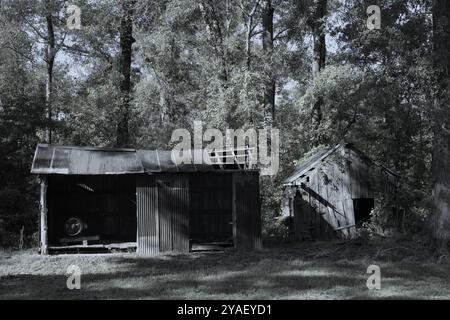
<point>233,209</point>
<point>43,207</point>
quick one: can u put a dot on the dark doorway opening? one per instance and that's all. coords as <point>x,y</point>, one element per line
<point>362,207</point>
<point>210,211</point>
<point>91,210</point>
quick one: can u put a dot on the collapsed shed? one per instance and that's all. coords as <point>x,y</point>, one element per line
<point>331,193</point>
<point>126,198</point>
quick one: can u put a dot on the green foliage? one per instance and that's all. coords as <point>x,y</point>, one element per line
<point>17,211</point>
<point>190,62</point>
<point>342,91</point>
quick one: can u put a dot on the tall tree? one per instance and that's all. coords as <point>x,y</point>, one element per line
<point>440,221</point>
<point>42,19</point>
<point>267,40</point>
<point>50,55</point>
<point>317,22</point>
<point>249,12</point>
<point>126,43</point>
<point>218,31</point>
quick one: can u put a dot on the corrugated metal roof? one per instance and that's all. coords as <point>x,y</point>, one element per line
<point>162,161</point>
<point>310,162</point>
<point>52,159</point>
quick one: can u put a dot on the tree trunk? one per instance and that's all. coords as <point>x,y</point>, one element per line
<point>318,25</point>
<point>267,40</point>
<point>50,54</point>
<point>126,42</point>
<point>213,27</point>
<point>440,219</point>
<point>248,44</point>
<point>249,33</point>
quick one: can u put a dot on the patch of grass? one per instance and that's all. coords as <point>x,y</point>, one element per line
<point>292,271</point>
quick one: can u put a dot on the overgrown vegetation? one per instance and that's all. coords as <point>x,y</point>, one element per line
<point>231,64</point>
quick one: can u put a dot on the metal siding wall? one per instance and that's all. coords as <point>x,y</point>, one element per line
<point>210,207</point>
<point>247,211</point>
<point>165,218</point>
<point>173,212</point>
<point>257,226</point>
<point>147,215</point>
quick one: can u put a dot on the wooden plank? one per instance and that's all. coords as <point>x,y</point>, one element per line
<point>359,174</point>
<point>123,245</point>
<point>297,215</point>
<point>333,193</point>
<point>344,222</point>
<point>348,203</point>
<point>79,239</point>
<point>213,246</point>
<point>330,208</point>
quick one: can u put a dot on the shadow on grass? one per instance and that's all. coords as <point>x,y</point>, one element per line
<point>225,275</point>
<point>109,287</point>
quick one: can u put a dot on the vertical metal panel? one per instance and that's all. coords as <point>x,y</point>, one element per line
<point>147,215</point>
<point>247,211</point>
<point>173,205</point>
<point>165,216</point>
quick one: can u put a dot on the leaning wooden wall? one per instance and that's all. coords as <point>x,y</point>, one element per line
<point>326,196</point>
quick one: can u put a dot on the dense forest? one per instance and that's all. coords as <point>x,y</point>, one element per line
<point>128,72</point>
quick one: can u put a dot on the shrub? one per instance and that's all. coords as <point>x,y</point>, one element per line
<point>17,212</point>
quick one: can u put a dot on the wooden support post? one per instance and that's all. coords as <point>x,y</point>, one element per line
<point>291,218</point>
<point>44,234</point>
<point>233,208</point>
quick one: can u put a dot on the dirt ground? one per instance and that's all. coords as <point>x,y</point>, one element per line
<point>291,271</point>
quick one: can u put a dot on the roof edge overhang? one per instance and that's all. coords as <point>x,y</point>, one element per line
<point>292,180</point>
<point>88,148</point>
<point>79,160</point>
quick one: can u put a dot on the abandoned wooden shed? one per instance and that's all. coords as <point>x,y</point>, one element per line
<point>124,198</point>
<point>332,192</point>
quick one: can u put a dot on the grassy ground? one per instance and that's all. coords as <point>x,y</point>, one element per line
<point>294,271</point>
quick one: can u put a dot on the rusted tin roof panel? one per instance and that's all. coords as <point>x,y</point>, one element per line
<point>49,159</point>
<point>165,161</point>
<point>150,160</point>
<point>52,159</point>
